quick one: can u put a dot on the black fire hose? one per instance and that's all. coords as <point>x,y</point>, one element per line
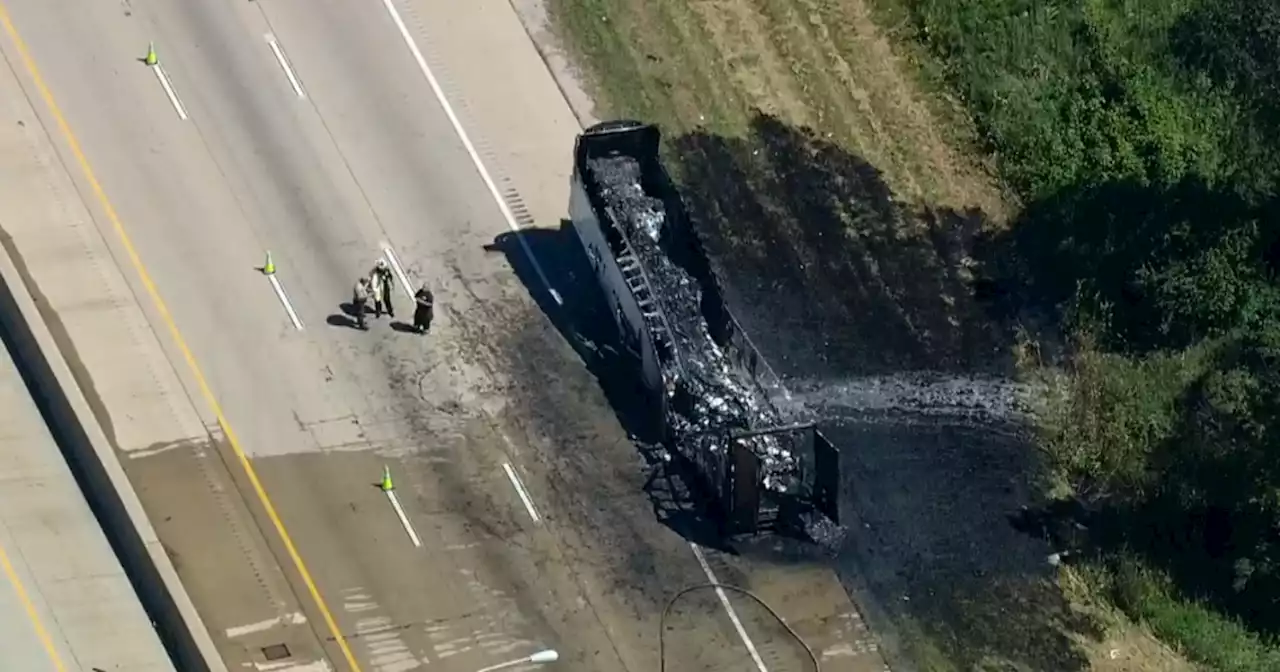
<point>662,627</point>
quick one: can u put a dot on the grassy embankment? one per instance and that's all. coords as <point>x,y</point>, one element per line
<point>1140,135</point>
<point>1133,138</point>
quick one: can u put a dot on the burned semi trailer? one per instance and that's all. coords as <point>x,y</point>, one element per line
<point>705,390</point>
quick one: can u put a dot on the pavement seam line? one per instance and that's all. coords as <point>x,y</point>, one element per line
<point>98,191</point>
<point>32,614</point>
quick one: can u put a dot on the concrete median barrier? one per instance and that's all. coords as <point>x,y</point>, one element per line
<point>24,325</point>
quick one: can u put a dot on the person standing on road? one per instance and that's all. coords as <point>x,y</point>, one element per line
<point>375,292</point>
<point>360,301</point>
<point>424,309</point>
<point>383,284</point>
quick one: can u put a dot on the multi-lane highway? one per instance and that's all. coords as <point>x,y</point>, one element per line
<point>317,130</point>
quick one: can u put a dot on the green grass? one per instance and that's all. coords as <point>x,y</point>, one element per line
<point>649,62</point>
<point>712,67</point>
<point>1201,632</point>
<point>1108,412</point>
<point>1112,411</point>
<point>1067,92</point>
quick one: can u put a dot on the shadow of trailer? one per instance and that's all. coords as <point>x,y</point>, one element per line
<point>734,479</point>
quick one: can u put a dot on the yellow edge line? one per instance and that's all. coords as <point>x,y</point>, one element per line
<point>205,391</point>
<point>30,608</point>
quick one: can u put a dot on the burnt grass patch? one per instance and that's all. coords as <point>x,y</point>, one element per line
<point>846,280</point>
<point>836,280</point>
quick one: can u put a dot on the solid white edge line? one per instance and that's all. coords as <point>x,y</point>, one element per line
<point>284,64</point>
<point>524,494</point>
<point>733,614</point>
<point>404,520</point>
<point>168,89</point>
<point>466,143</point>
<point>284,300</point>
<point>395,266</point>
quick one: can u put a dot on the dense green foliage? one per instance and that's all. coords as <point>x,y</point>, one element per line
<point>1142,136</point>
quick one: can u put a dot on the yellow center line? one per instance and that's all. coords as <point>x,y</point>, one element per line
<point>205,390</point>
<point>34,616</point>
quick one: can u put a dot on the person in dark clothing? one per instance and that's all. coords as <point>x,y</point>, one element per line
<point>360,301</point>
<point>424,309</point>
<point>383,285</point>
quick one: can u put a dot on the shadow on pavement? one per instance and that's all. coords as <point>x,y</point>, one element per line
<point>342,321</point>
<point>580,315</point>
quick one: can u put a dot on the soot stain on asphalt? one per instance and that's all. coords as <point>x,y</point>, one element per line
<point>477,506</point>
<point>556,409</point>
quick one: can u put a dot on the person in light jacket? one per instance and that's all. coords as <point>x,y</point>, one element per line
<point>383,284</point>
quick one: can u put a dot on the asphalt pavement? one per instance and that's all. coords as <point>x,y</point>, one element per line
<point>316,131</point>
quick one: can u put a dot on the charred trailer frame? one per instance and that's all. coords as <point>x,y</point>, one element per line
<point>660,350</point>
<point>613,260</point>
<point>736,480</point>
